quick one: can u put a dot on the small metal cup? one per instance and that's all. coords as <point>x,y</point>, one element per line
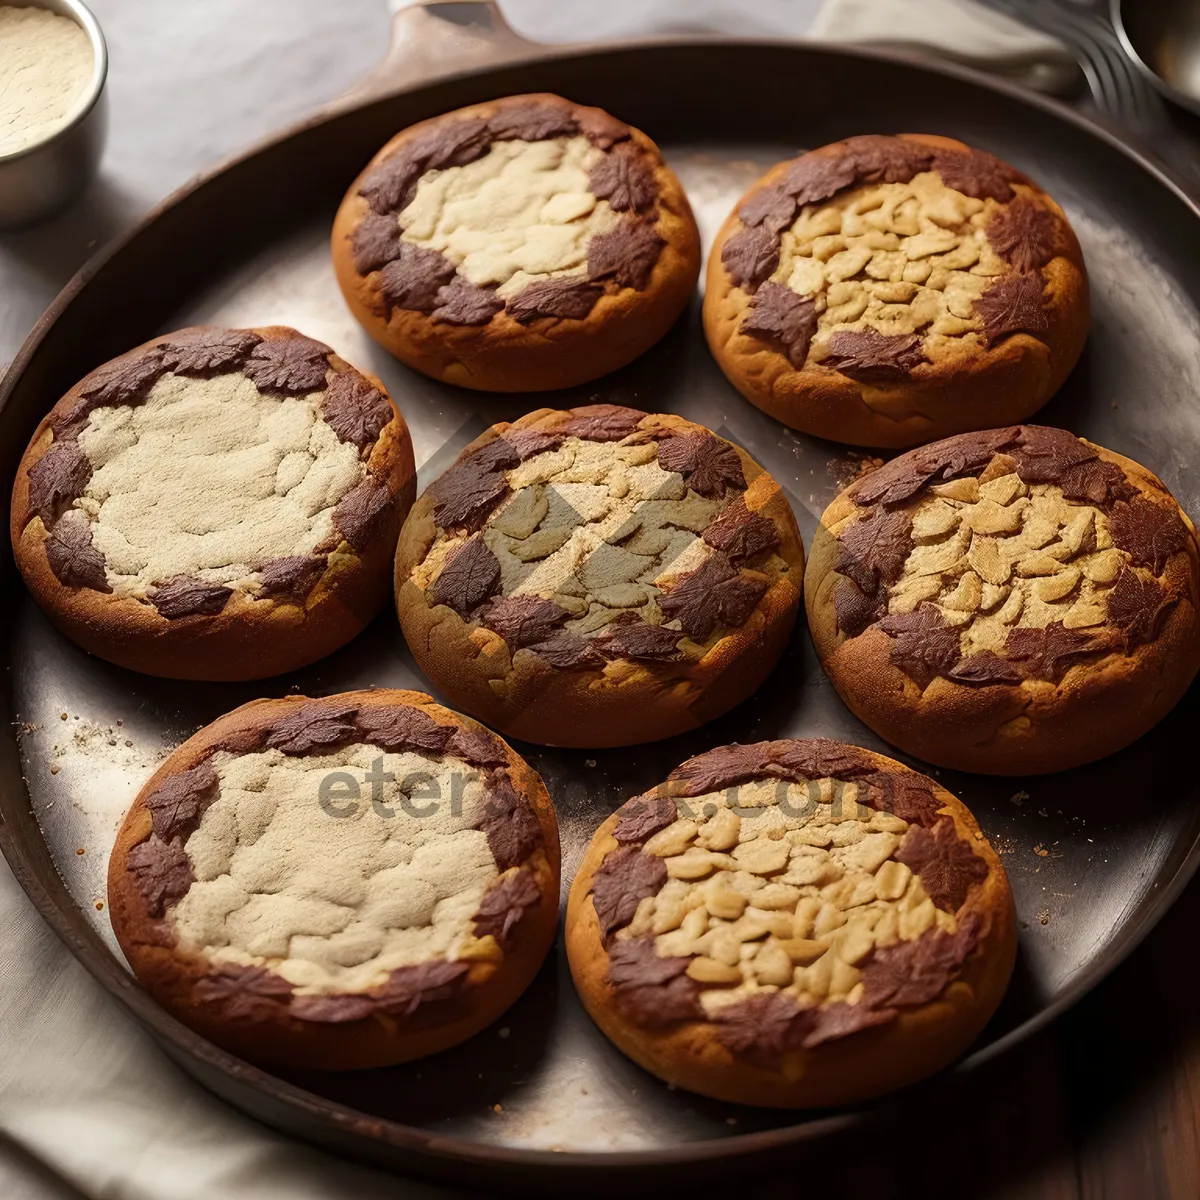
<point>1162,37</point>
<point>37,181</point>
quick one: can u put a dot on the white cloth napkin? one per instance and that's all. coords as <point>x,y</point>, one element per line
<point>89,1107</point>
<point>958,30</point>
<point>961,31</point>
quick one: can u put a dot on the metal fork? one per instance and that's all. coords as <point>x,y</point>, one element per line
<point>1118,90</point>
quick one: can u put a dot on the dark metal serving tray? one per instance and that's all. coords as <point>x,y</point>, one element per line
<point>541,1098</point>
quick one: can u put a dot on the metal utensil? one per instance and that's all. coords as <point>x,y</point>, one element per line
<point>36,181</point>
<point>1162,37</point>
<point>1117,88</point>
<point>1125,93</point>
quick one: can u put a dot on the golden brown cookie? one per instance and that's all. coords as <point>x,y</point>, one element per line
<point>1013,601</point>
<point>339,883</point>
<point>518,245</point>
<point>599,577</point>
<point>215,504</point>
<point>791,923</point>
<point>887,291</point>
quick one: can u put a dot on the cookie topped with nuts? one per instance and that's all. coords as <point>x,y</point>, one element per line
<point>518,245</point>
<point>337,883</point>
<point>599,576</point>
<point>794,923</point>
<point>1011,601</point>
<point>215,504</point>
<point>887,291</point>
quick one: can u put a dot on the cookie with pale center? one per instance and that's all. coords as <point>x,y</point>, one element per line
<point>889,291</point>
<point>599,576</point>
<point>791,923</point>
<point>518,245</point>
<point>1012,601</point>
<point>215,504</point>
<point>339,883</point>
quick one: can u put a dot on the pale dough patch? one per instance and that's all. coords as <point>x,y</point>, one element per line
<point>211,479</point>
<point>520,213</point>
<point>780,886</point>
<point>335,903</point>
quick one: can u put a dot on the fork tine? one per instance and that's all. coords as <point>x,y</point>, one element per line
<point>1108,95</point>
<point>1117,87</point>
<point>1147,102</point>
<point>1110,77</point>
<point>1143,101</point>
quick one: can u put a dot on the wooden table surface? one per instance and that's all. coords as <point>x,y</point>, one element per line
<point>1102,1105</point>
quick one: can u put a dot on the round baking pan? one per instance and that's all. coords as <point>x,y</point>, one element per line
<point>542,1101</point>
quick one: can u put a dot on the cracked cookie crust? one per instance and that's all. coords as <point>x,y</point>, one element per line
<point>791,923</point>
<point>519,245</point>
<point>339,883</point>
<point>1013,601</point>
<point>599,576</point>
<point>888,291</point>
<point>214,504</point>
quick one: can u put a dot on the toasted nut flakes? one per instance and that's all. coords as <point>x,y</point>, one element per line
<point>805,917</point>
<point>777,896</point>
<point>762,856</point>
<point>914,923</point>
<point>965,490</point>
<point>842,977</point>
<point>887,928</point>
<point>1003,490</point>
<point>829,918</point>
<point>721,943</point>
<point>708,970</point>
<point>721,832</point>
<point>935,520</point>
<point>673,840</point>
<point>1082,615</point>
<point>695,864</point>
<point>870,852</point>
<point>891,880</point>
<point>816,977</point>
<point>1057,587</point>
<point>989,517</point>
<point>1011,610</point>
<point>1103,567</point>
<point>985,560</point>
<point>967,596</point>
<point>725,904</point>
<point>539,544</point>
<point>1038,564</point>
<point>803,951</point>
<point>772,965</point>
<point>758,923</point>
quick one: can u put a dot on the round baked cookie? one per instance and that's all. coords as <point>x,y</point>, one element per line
<point>791,923</point>
<point>1011,602</point>
<point>340,883</point>
<point>215,504</point>
<point>518,245</point>
<point>599,577</point>
<point>887,291</point>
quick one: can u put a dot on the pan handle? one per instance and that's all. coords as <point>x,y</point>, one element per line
<point>434,38</point>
